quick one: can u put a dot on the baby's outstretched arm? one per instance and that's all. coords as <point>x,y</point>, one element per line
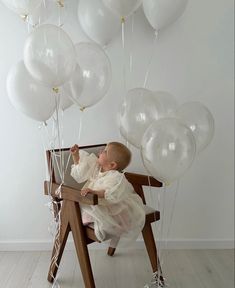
<point>74,150</point>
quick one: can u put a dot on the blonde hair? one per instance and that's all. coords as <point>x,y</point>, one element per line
<point>120,154</point>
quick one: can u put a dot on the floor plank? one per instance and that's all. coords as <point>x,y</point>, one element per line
<point>23,270</point>
<point>128,268</point>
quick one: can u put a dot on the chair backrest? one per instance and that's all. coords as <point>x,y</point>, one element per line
<point>59,162</point>
<point>61,157</point>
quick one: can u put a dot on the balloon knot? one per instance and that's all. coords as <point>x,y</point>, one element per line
<point>122,19</point>
<point>61,3</point>
<point>82,109</point>
<point>24,17</point>
<point>55,89</point>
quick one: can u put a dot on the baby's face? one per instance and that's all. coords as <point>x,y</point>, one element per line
<point>104,159</point>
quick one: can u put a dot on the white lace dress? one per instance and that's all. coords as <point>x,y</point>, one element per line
<point>121,212</point>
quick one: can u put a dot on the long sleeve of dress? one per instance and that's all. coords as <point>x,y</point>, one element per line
<point>83,171</point>
<point>117,188</point>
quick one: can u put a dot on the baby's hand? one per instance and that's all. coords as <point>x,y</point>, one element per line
<point>74,149</point>
<point>85,191</point>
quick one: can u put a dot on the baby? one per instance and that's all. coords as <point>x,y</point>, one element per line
<point>120,210</point>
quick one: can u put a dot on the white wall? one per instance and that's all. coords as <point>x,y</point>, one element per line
<point>194,61</point>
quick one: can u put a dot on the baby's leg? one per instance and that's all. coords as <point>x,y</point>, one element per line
<point>86,218</point>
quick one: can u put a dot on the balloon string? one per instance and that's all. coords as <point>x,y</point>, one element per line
<point>54,227</point>
<point>124,66</point>
<point>150,60</point>
<point>123,56</point>
<point>158,231</point>
<point>161,260</point>
<point>59,135</point>
<point>171,216</point>
<point>80,127</point>
<point>131,51</point>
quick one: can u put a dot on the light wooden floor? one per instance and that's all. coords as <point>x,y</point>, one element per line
<point>127,269</point>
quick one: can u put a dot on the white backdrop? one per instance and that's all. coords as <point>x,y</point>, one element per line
<point>193,61</point>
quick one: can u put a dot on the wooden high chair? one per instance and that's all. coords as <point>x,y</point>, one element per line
<point>68,201</point>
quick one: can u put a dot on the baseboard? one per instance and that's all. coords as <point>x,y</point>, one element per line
<point>139,244</point>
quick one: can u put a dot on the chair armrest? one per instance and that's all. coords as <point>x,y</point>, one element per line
<point>139,179</point>
<point>68,193</point>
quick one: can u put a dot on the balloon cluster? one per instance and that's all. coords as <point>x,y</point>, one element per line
<point>100,19</point>
<point>169,137</point>
<point>52,64</point>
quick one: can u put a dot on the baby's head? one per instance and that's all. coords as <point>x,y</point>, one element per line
<point>115,156</point>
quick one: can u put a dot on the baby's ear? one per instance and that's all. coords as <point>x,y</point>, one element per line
<point>114,165</point>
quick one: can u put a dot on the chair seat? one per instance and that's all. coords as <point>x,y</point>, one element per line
<point>152,215</point>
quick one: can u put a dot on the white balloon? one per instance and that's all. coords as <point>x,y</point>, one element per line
<point>28,95</point>
<point>139,109</point>
<point>22,7</point>
<point>41,14</point>
<point>123,8</point>
<point>96,73</point>
<point>97,21</point>
<point>168,102</point>
<point>73,88</point>
<point>49,55</point>
<point>168,149</point>
<point>162,13</point>
<point>59,13</point>
<point>200,120</point>
<point>65,101</point>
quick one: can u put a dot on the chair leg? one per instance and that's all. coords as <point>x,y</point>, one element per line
<point>151,247</point>
<point>59,245</point>
<point>77,228</point>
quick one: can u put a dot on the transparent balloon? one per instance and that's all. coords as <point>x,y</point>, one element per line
<point>49,55</point>
<point>41,14</point>
<point>139,109</point>
<point>97,21</point>
<point>162,13</point>
<point>168,149</point>
<point>65,101</point>
<point>73,88</point>
<point>22,7</point>
<point>200,120</point>
<point>60,12</point>
<point>168,103</point>
<point>96,74</point>
<point>123,8</point>
<point>28,95</point>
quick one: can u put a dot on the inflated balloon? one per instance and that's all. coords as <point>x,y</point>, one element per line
<point>162,13</point>
<point>96,73</point>
<point>168,102</point>
<point>200,120</point>
<point>65,101</point>
<point>49,55</point>
<point>139,109</point>
<point>28,95</point>
<point>41,14</point>
<point>97,21</point>
<point>22,7</point>
<point>168,149</point>
<point>73,88</point>
<point>123,8</point>
<point>59,13</point>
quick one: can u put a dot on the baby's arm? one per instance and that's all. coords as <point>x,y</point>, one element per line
<point>99,193</point>
<point>74,150</point>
